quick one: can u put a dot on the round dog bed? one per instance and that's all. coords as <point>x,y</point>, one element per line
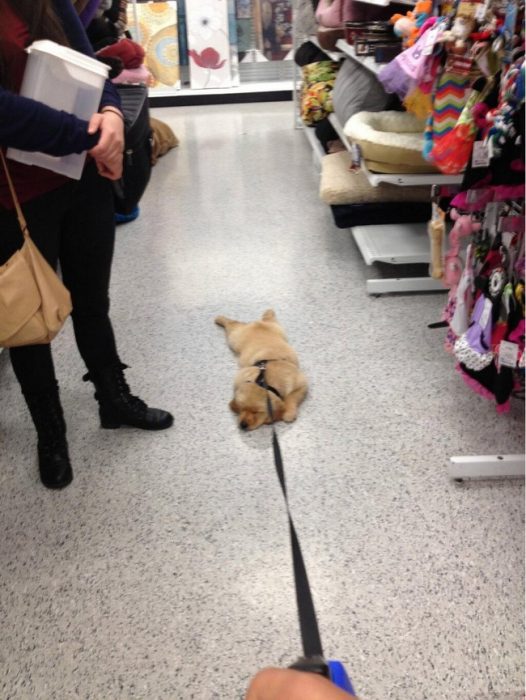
<point>340,185</point>
<point>391,138</point>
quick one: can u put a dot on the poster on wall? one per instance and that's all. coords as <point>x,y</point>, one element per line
<point>154,26</point>
<point>232,36</point>
<point>274,28</point>
<point>264,29</point>
<point>209,44</point>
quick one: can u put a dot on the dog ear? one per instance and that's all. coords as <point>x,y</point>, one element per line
<point>233,406</point>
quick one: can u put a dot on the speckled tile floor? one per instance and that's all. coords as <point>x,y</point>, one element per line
<point>164,570</point>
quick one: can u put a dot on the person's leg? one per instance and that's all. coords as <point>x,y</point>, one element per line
<point>86,253</point>
<point>33,364</point>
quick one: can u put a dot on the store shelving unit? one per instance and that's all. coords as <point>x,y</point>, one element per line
<point>396,244</point>
<point>350,52</point>
<point>273,84</point>
<point>246,92</point>
<point>333,55</point>
<point>487,467</point>
<point>317,148</point>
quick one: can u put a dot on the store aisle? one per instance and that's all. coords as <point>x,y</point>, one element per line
<point>164,570</point>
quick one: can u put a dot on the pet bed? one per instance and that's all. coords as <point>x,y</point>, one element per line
<point>339,185</point>
<point>389,141</point>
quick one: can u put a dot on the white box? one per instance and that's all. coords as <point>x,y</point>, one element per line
<point>66,80</point>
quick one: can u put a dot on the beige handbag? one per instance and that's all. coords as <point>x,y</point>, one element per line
<point>34,303</point>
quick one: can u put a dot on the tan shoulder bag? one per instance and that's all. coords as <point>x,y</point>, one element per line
<point>34,303</point>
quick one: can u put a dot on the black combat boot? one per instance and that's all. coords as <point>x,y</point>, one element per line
<point>53,458</point>
<point>118,406</point>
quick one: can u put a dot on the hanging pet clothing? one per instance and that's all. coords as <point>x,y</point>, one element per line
<point>473,348</point>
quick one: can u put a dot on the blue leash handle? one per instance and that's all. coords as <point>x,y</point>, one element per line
<point>339,677</point>
<point>332,670</point>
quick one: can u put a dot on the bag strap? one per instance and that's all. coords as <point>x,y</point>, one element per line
<point>21,218</point>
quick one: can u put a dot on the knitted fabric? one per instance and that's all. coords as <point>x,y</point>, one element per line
<point>449,100</point>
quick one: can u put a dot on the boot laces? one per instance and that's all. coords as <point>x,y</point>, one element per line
<point>135,403</point>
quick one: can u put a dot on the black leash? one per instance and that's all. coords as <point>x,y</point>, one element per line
<point>313,659</point>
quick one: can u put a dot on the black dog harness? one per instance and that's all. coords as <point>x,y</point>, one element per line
<point>260,379</point>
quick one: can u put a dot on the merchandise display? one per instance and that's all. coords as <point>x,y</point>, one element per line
<point>393,138</point>
<point>317,89</point>
<point>200,46</point>
<point>154,27</point>
<point>461,79</point>
<point>339,184</point>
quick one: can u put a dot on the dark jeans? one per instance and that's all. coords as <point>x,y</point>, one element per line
<point>75,226</point>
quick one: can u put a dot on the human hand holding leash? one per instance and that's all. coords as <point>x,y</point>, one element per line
<point>286,684</point>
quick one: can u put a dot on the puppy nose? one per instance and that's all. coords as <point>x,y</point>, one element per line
<point>243,425</point>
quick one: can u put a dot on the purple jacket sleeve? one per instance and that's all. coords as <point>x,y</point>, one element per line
<point>88,13</point>
<point>33,126</point>
<point>80,42</point>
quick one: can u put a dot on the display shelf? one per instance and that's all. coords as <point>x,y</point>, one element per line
<point>333,119</point>
<point>367,61</point>
<point>487,467</point>
<point>317,148</point>
<point>396,244</point>
<point>257,90</point>
<point>333,55</point>
<point>410,180</point>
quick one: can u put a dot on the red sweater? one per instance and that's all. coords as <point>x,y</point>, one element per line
<point>31,125</point>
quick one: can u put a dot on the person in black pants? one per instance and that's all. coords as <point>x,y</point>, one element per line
<point>71,222</point>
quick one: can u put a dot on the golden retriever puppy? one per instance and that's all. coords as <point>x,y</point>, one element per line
<point>262,347</point>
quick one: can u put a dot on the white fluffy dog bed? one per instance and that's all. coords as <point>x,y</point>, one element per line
<point>388,140</point>
<point>340,185</point>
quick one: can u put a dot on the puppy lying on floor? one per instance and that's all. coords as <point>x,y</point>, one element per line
<point>264,343</point>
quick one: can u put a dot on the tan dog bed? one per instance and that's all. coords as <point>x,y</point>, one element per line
<point>340,185</point>
<point>163,139</point>
<point>390,140</point>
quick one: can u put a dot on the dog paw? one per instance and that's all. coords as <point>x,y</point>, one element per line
<point>269,315</point>
<point>220,320</point>
<point>290,416</point>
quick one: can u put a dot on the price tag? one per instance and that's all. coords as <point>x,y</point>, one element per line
<point>508,354</point>
<point>480,157</point>
<point>356,156</point>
